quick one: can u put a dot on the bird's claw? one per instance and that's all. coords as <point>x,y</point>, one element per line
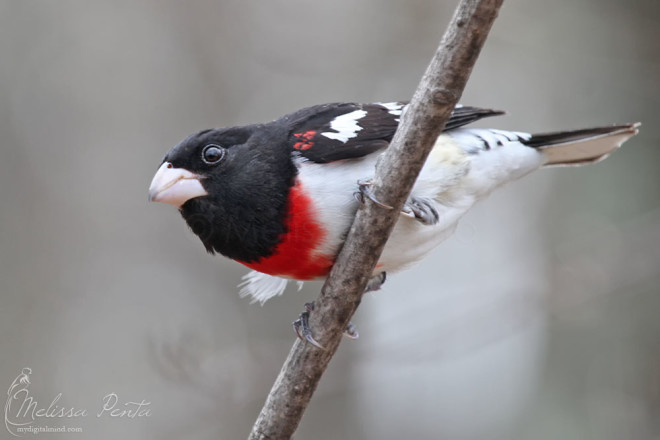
<point>304,332</point>
<point>301,325</point>
<point>421,210</point>
<point>351,331</point>
<point>302,329</point>
<point>364,187</point>
<point>375,282</point>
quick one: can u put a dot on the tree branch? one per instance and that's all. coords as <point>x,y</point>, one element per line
<point>396,171</point>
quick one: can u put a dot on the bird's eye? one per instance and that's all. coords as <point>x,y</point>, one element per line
<point>213,154</point>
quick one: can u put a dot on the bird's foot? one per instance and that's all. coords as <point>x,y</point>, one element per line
<point>421,210</point>
<point>364,187</point>
<point>351,331</point>
<point>375,282</point>
<point>304,331</point>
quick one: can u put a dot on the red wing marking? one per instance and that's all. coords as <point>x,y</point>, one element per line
<point>305,140</point>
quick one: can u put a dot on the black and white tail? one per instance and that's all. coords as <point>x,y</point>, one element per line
<point>578,147</point>
<point>500,156</point>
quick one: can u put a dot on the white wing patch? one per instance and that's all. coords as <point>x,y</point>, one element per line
<point>347,126</point>
<point>262,287</point>
<point>393,108</point>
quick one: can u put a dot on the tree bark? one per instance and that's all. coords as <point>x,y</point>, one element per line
<point>396,172</point>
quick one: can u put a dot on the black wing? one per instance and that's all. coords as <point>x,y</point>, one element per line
<point>330,132</point>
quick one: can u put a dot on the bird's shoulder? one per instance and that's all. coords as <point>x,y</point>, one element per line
<point>329,132</point>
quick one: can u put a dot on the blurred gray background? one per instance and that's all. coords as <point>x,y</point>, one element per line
<point>537,320</point>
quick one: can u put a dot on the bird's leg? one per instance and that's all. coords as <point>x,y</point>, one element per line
<point>422,210</point>
<point>301,325</point>
<point>364,187</point>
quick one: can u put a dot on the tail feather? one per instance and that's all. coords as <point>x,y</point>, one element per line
<point>584,146</point>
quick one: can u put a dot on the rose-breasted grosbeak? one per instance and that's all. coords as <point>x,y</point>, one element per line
<point>280,197</point>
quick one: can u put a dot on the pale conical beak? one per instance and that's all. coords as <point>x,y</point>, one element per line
<point>175,186</point>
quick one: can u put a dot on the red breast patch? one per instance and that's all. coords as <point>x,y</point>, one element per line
<point>294,256</point>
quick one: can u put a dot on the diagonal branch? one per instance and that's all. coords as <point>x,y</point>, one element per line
<point>396,171</point>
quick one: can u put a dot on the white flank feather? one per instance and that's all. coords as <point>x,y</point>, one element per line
<point>261,287</point>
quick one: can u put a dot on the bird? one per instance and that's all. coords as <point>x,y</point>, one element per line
<point>279,197</point>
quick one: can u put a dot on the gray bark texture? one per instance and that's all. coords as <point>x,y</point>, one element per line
<point>437,93</point>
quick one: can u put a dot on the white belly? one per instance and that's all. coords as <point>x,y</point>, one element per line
<point>410,239</point>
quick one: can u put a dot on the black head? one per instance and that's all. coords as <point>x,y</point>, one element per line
<point>231,186</point>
